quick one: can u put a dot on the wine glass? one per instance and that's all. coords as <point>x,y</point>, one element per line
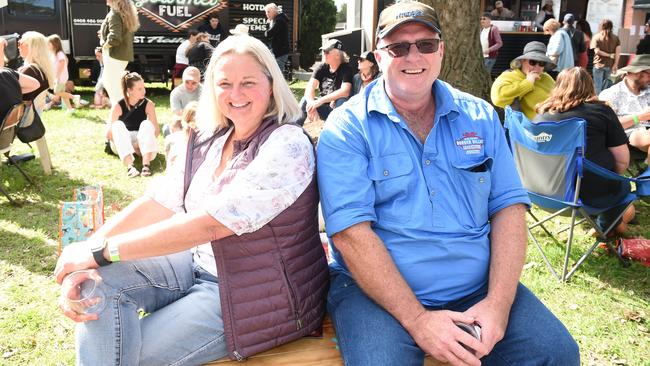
<point>82,292</point>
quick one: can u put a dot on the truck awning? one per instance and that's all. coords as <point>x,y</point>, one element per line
<point>641,4</point>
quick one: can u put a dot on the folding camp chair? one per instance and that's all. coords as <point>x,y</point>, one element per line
<point>8,127</point>
<point>550,161</point>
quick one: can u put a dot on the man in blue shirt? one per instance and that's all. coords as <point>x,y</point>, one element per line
<point>425,212</point>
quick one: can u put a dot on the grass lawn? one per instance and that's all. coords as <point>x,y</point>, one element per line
<point>605,306</point>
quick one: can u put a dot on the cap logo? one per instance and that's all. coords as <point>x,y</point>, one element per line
<point>409,14</point>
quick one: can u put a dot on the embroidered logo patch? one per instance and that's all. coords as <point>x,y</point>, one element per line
<point>471,143</point>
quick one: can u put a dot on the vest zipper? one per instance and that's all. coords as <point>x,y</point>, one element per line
<point>237,356</point>
<point>292,295</point>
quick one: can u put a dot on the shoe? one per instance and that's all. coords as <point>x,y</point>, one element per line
<point>70,111</point>
<point>83,102</point>
<point>132,172</point>
<point>76,100</point>
<point>146,171</point>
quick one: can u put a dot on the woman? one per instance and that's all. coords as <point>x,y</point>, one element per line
<point>607,49</point>
<point>574,96</point>
<point>526,83</point>
<point>545,13</point>
<point>368,71</point>
<point>583,57</point>
<point>249,188</point>
<point>134,126</point>
<point>116,38</point>
<point>60,67</point>
<point>199,52</point>
<point>33,48</point>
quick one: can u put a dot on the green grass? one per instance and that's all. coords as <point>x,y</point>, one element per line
<point>605,306</point>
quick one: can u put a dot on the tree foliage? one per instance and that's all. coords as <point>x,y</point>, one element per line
<point>317,17</point>
<point>463,61</point>
<point>342,14</point>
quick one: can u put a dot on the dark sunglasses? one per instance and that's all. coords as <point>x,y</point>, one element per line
<point>402,49</point>
<point>535,63</point>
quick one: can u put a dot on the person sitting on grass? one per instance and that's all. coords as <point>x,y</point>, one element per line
<point>133,126</point>
<point>368,71</point>
<point>179,129</point>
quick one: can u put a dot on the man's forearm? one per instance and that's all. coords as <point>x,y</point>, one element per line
<point>508,242</point>
<point>375,272</point>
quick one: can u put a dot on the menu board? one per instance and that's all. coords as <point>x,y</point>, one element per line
<point>598,10</point>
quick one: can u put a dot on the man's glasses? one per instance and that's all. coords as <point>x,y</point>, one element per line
<point>535,63</point>
<point>402,49</point>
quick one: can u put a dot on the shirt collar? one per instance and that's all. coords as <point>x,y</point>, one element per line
<point>379,101</point>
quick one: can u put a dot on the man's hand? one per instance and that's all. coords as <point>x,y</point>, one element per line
<point>493,319</point>
<point>70,289</point>
<point>533,76</point>
<point>437,335</point>
<point>75,257</point>
<point>312,105</point>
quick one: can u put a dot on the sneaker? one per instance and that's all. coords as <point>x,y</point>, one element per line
<point>76,100</point>
<point>132,172</point>
<point>83,102</point>
<point>146,171</point>
<point>70,111</point>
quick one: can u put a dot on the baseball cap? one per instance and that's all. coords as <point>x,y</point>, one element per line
<point>332,44</point>
<point>398,14</point>
<point>368,55</point>
<point>192,73</point>
<point>569,18</point>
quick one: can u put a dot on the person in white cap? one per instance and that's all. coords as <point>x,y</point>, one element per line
<point>240,30</point>
<point>425,214</point>
<point>188,91</point>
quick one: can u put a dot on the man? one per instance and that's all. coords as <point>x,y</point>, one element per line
<point>500,12</point>
<point>490,42</point>
<point>334,79</point>
<point>630,99</point>
<point>577,37</point>
<point>607,52</point>
<point>526,83</point>
<point>644,45</point>
<point>187,92</point>
<point>181,58</point>
<point>212,27</point>
<point>425,212</point>
<point>278,34</point>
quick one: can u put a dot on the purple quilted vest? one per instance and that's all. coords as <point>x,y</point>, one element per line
<point>273,282</point>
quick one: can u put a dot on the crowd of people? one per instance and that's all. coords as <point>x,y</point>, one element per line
<point>397,190</point>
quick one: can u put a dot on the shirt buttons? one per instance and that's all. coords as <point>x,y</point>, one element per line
<point>481,180</point>
<point>427,162</point>
<point>385,173</point>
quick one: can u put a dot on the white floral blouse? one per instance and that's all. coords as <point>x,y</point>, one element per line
<point>245,199</point>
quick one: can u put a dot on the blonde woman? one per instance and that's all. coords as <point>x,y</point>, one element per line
<point>248,199</point>
<point>34,50</point>
<point>116,38</point>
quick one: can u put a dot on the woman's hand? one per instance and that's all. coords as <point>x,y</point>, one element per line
<point>75,257</point>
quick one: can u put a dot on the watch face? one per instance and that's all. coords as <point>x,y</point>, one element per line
<point>97,245</point>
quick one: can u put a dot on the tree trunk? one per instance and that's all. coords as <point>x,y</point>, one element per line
<point>463,62</point>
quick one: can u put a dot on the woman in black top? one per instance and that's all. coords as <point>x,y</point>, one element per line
<point>33,48</point>
<point>574,96</point>
<point>133,126</point>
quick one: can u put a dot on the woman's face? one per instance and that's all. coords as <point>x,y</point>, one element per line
<point>23,49</point>
<point>138,91</point>
<point>364,65</point>
<point>242,89</point>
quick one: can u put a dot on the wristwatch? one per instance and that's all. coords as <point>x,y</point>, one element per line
<point>98,252</point>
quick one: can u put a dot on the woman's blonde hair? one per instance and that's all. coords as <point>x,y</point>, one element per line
<point>282,106</point>
<point>39,55</point>
<point>573,87</point>
<point>128,12</point>
<point>552,25</point>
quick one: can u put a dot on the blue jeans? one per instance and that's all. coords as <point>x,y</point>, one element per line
<point>282,62</point>
<point>184,325</point>
<point>601,78</point>
<point>368,335</point>
<point>323,111</point>
<point>489,64</point>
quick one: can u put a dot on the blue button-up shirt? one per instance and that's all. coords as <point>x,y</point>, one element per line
<point>431,203</point>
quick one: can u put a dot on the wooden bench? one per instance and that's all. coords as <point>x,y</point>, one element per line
<point>302,352</point>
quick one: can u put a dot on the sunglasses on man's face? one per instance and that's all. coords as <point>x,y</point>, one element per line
<point>401,49</point>
<point>535,63</point>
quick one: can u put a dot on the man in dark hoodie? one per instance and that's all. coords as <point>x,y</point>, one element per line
<point>278,34</point>
<point>212,26</point>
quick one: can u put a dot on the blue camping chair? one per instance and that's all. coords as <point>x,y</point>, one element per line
<point>550,160</point>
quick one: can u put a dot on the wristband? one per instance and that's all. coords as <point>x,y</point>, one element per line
<point>113,251</point>
<point>635,118</point>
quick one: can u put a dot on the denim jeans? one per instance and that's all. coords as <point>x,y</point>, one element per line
<point>282,62</point>
<point>323,111</point>
<point>489,64</point>
<point>601,78</point>
<point>368,335</point>
<point>184,326</point>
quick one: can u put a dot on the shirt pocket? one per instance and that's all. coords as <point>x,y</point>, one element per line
<point>391,176</point>
<point>474,185</point>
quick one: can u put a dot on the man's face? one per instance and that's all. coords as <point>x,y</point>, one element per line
<point>214,22</point>
<point>190,85</point>
<point>485,22</point>
<point>414,72</point>
<point>641,80</point>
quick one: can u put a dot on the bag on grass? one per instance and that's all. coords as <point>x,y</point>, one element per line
<point>637,249</point>
<point>92,194</point>
<point>31,127</point>
<point>79,219</point>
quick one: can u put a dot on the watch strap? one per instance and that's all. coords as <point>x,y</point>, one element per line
<point>98,255</point>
